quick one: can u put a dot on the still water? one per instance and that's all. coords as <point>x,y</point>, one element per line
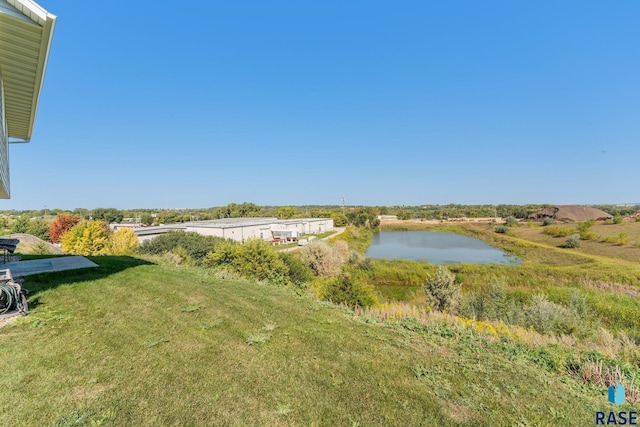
<point>437,247</point>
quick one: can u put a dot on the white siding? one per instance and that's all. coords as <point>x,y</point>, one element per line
<point>4,148</point>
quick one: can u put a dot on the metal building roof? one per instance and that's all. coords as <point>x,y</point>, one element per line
<point>25,38</point>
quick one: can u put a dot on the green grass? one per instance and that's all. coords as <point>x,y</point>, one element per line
<point>132,343</point>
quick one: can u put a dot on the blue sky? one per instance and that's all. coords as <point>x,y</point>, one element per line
<point>153,105</point>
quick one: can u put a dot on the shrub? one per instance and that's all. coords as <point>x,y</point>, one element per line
<point>441,289</point>
<point>87,238</point>
<point>501,229</point>
<point>583,229</point>
<point>299,274</point>
<point>547,221</point>
<point>123,242</point>
<point>559,231</point>
<point>255,259</point>
<point>511,221</point>
<point>322,258</point>
<point>492,303</point>
<point>617,219</point>
<point>348,289</point>
<point>40,248</point>
<point>572,241</point>
<point>623,239</point>
<point>196,245</point>
<point>547,317</point>
<point>342,248</point>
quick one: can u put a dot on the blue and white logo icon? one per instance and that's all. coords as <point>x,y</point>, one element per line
<point>616,394</point>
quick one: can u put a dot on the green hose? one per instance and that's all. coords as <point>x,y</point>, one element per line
<point>8,297</point>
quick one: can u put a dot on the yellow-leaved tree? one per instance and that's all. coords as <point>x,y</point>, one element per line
<point>87,238</point>
<point>124,242</point>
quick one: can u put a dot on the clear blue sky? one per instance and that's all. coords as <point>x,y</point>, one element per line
<point>152,104</point>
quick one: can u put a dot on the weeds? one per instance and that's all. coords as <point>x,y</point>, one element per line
<point>258,338</point>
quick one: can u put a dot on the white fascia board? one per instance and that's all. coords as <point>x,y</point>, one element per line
<point>43,58</point>
<point>32,10</point>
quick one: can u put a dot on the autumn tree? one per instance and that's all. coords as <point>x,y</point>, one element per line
<point>123,242</point>
<point>60,225</point>
<point>87,238</point>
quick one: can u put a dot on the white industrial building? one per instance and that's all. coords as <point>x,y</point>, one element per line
<point>243,229</point>
<point>25,38</point>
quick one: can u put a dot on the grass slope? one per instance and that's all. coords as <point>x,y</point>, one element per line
<point>138,344</point>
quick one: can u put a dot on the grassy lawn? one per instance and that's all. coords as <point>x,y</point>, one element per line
<point>137,344</point>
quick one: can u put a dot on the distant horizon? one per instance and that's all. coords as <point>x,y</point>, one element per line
<point>347,206</point>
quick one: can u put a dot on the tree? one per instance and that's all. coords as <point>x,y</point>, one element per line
<point>38,228</point>
<point>60,225</point>
<point>87,238</point>
<point>82,213</point>
<point>147,219</point>
<point>21,225</point>
<point>123,242</point>
<point>108,215</point>
<point>339,219</point>
<point>286,212</point>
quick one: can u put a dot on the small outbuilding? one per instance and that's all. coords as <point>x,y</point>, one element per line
<point>571,213</point>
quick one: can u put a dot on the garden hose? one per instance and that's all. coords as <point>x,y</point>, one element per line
<point>8,297</point>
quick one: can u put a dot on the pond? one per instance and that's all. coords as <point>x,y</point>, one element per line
<point>437,247</point>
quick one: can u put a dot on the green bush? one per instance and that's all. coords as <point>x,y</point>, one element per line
<point>441,289</point>
<point>349,289</point>
<point>572,241</point>
<point>547,221</point>
<point>583,229</point>
<point>299,274</point>
<point>196,245</point>
<point>617,219</point>
<point>492,303</point>
<point>547,317</point>
<point>501,229</point>
<point>254,259</point>
<point>511,221</point>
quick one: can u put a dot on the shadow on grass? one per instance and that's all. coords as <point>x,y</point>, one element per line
<point>107,265</point>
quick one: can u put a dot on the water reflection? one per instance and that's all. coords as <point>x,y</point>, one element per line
<point>437,247</point>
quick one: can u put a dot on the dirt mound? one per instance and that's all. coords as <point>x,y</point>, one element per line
<point>571,213</point>
<point>30,244</point>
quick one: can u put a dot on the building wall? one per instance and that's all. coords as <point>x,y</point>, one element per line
<point>4,148</point>
<point>239,233</point>
<point>247,231</point>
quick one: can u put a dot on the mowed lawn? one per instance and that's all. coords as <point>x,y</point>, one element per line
<point>137,344</point>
